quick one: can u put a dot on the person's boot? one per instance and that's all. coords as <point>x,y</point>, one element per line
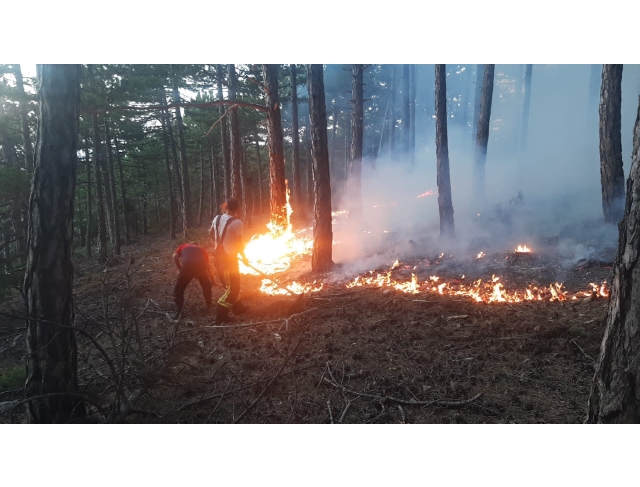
<point>239,308</point>
<point>222,314</point>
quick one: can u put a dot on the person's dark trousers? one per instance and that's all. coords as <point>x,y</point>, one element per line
<point>187,273</point>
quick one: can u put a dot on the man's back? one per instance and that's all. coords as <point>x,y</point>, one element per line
<point>192,254</point>
<point>232,241</point>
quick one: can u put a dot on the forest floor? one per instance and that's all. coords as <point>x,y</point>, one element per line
<point>359,355</point>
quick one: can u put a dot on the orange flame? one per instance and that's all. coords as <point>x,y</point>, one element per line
<point>426,193</point>
<point>523,249</point>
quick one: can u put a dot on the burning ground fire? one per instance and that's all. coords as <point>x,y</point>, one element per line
<point>479,291</point>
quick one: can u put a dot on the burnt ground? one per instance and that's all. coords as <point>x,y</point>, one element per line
<point>441,359</point>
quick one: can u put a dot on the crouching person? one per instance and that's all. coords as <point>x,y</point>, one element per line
<point>227,230</point>
<point>192,262</point>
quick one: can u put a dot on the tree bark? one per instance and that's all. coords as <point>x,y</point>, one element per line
<point>615,393</point>
<point>412,113</point>
<point>201,198</point>
<point>477,101</point>
<point>24,120</point>
<point>236,148</point>
<point>48,284</point>
<point>482,136</point>
<point>187,220</point>
<point>112,189</point>
<point>224,132</point>
<point>176,168</point>
<point>296,190</point>
<point>102,217</point>
<point>526,103</point>
<point>445,205</point>
<point>278,191</point>
<point>406,109</point>
<point>611,173</point>
<point>89,215</point>
<point>357,134</point>
<point>310,195</point>
<point>322,230</point>
<point>260,207</point>
<point>173,207</point>
<point>125,202</point>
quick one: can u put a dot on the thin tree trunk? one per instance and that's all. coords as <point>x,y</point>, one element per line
<point>89,215</point>
<point>214,190</point>
<point>526,103</point>
<point>392,121</point>
<point>244,176</point>
<point>357,133</point>
<point>260,207</point>
<point>615,395</point>
<point>176,168</point>
<point>224,131</point>
<point>296,191</point>
<point>236,148</point>
<point>482,136</point>
<point>322,230</point>
<point>187,220</point>
<point>112,187</point>
<point>278,206</point>
<point>102,217</point>
<point>125,201</point>
<point>310,195</point>
<point>201,199</point>
<point>478,99</point>
<point>334,127</point>
<point>611,173</point>
<point>173,207</point>
<point>24,120</point>
<point>406,109</point>
<point>412,114</point>
<point>51,350</point>
<point>445,205</point>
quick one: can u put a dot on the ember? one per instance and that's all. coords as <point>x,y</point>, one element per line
<point>426,193</point>
<point>480,255</point>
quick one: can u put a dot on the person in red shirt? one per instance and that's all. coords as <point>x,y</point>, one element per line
<point>192,262</point>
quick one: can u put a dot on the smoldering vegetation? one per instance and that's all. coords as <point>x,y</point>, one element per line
<point>542,187</point>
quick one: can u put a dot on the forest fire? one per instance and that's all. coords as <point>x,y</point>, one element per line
<point>523,249</point>
<point>480,255</point>
<point>295,287</point>
<point>275,250</point>
<point>492,291</point>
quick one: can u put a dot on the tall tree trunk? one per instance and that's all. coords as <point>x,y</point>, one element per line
<point>278,206</point>
<point>236,148</point>
<point>322,230</point>
<point>102,217</point>
<point>467,96</point>
<point>224,132</point>
<point>89,215</point>
<point>201,199</point>
<point>482,136</point>
<point>125,201</point>
<point>334,129</point>
<point>611,173</point>
<point>173,207</point>
<point>187,220</point>
<point>477,101</point>
<point>392,121</point>
<point>296,190</point>
<point>412,114</point>
<point>406,109</point>
<point>176,168</point>
<point>591,120</point>
<point>48,283</point>
<point>615,394</point>
<point>357,133</point>
<point>244,176</point>
<point>112,187</point>
<point>526,103</point>
<point>310,195</point>
<point>442,154</point>
<point>260,207</point>
<point>214,186</point>
<point>24,120</point>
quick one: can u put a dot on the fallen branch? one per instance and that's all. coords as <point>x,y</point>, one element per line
<point>279,320</point>
<point>286,360</point>
<point>411,402</point>
<point>583,352</point>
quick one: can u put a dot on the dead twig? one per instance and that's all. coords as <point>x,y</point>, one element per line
<point>330,413</point>
<point>583,352</point>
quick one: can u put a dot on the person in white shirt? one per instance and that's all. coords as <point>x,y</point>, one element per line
<point>227,230</point>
